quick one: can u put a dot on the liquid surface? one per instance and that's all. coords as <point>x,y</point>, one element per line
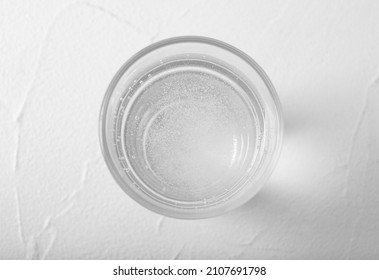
<point>190,134</point>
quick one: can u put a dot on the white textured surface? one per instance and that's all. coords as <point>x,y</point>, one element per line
<point>57,198</point>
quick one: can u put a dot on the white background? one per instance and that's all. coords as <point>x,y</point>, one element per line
<point>59,201</point>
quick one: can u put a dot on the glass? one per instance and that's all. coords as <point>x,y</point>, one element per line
<point>191,127</point>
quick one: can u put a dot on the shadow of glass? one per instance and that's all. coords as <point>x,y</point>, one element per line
<point>268,207</point>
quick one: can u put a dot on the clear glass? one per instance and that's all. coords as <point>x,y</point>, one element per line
<point>191,127</point>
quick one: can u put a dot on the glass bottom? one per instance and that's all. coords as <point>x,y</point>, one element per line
<point>189,131</point>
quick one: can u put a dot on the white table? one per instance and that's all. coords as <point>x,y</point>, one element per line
<point>58,199</point>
